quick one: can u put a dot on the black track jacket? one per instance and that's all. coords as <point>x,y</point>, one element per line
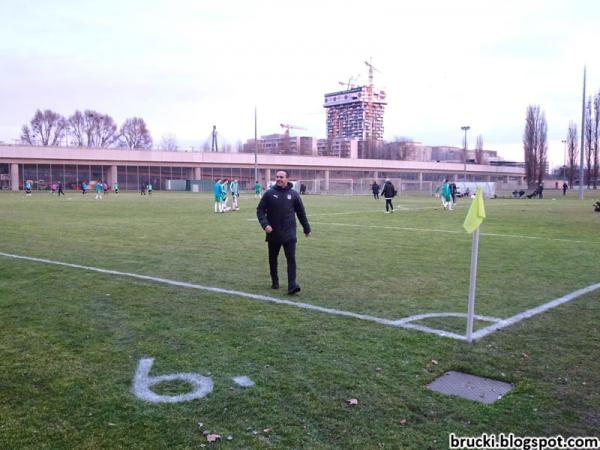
<point>278,207</point>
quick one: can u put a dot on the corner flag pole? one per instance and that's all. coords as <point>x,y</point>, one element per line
<point>474,218</point>
<point>472,283</point>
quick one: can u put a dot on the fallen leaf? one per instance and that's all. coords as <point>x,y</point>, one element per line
<point>525,355</point>
<point>213,437</point>
<point>352,401</point>
<point>403,422</point>
<point>267,430</point>
<point>433,361</point>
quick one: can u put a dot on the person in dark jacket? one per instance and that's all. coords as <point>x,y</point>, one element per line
<point>375,189</point>
<point>388,192</point>
<point>453,192</point>
<point>276,213</point>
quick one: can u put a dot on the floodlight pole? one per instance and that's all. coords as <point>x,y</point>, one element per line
<point>465,129</point>
<point>582,141</point>
<point>565,160</point>
<point>255,148</point>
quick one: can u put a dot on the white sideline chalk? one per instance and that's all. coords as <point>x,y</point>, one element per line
<point>404,322</point>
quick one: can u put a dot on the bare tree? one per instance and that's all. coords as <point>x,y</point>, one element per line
<point>78,126</point>
<point>479,150</point>
<point>47,128</point>
<point>93,129</point>
<point>535,145</point>
<point>169,142</point>
<point>572,152</point>
<point>596,125</point>
<point>135,134</point>
<point>105,130</point>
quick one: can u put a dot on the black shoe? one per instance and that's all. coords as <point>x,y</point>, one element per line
<point>275,286</point>
<point>293,290</point>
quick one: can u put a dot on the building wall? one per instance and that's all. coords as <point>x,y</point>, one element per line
<point>44,165</point>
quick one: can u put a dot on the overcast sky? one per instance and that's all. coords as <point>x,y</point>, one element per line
<point>186,65</point>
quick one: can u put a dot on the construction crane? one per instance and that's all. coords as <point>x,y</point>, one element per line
<point>289,127</point>
<point>369,119</point>
<point>371,69</point>
<point>349,85</point>
<point>286,137</point>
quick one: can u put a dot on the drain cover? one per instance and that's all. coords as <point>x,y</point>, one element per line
<point>471,387</point>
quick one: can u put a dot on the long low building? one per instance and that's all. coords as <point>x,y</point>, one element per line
<point>44,166</point>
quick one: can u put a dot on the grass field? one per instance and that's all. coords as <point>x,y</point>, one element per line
<point>71,339</point>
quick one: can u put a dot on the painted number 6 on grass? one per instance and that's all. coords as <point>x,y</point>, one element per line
<point>143,382</point>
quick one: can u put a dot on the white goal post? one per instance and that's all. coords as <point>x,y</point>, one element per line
<point>362,186</point>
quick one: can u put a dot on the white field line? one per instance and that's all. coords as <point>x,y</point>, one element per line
<point>533,311</point>
<point>434,230</point>
<point>364,211</point>
<point>401,323</point>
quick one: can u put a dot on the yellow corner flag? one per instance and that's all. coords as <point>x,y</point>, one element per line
<point>476,213</point>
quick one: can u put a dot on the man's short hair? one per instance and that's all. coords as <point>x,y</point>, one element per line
<point>287,172</point>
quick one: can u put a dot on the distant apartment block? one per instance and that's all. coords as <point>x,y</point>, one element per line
<point>283,144</point>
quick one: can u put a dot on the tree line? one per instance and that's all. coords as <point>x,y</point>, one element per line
<point>535,145</point>
<point>85,129</point>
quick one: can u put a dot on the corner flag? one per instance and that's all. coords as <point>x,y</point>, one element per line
<point>476,213</point>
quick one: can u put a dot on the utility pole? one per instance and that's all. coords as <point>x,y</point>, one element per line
<point>582,141</point>
<point>465,129</point>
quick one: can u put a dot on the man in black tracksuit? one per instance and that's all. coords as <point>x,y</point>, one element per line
<point>276,213</point>
<point>388,192</point>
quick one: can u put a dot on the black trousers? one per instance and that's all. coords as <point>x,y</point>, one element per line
<point>289,249</point>
<point>388,201</point>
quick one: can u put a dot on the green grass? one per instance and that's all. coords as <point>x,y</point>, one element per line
<point>70,339</point>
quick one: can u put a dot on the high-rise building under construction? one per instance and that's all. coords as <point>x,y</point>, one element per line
<point>355,113</point>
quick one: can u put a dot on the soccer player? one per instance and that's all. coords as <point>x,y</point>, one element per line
<point>446,196</point>
<point>257,190</point>
<point>99,189</point>
<point>224,194</point>
<point>150,188</point>
<point>116,188</point>
<point>60,189</point>
<point>234,187</point>
<point>218,192</point>
<point>276,213</point>
<point>27,188</point>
